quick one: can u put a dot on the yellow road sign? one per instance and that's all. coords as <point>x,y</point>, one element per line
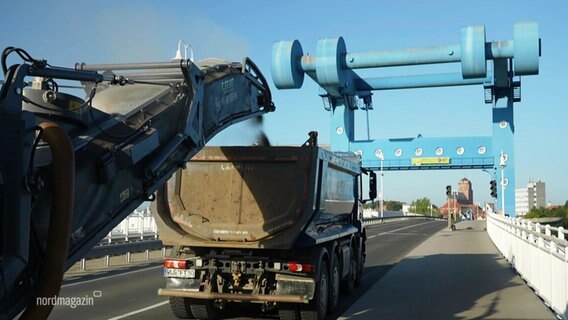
<point>431,160</point>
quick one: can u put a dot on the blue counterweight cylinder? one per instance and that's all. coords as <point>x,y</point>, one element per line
<point>473,61</point>
<point>527,48</point>
<point>286,70</point>
<point>330,69</point>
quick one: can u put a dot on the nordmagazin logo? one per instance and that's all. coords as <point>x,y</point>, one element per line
<point>71,302</point>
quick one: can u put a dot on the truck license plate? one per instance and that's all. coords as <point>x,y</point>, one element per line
<point>179,273</point>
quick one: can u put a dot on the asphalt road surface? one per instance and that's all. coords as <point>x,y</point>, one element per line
<point>132,294</point>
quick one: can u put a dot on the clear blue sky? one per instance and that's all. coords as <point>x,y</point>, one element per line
<point>65,32</point>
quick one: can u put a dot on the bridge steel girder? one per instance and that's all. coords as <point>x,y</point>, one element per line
<point>425,153</point>
<point>332,67</point>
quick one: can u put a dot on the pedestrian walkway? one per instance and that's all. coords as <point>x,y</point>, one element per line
<point>452,275</point>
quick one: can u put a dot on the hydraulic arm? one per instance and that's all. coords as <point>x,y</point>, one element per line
<point>71,169</point>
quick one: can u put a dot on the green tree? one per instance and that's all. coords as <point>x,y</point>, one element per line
<point>545,212</point>
<point>392,205</point>
<point>370,205</point>
<point>421,206</point>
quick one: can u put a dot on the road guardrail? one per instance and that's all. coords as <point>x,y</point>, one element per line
<point>373,221</point>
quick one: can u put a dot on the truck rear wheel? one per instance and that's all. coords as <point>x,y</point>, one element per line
<point>204,309</point>
<point>360,265</point>
<point>348,284</point>
<point>317,308</point>
<point>335,282</point>
<point>181,308</point>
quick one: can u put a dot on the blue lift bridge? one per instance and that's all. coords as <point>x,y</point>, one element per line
<point>497,66</point>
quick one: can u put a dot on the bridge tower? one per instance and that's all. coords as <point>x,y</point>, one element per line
<point>497,66</point>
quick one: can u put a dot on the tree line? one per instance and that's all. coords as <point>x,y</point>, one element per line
<point>559,211</point>
<point>419,206</point>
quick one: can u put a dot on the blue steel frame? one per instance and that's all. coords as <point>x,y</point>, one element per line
<point>332,68</point>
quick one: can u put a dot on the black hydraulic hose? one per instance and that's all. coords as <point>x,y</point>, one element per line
<point>51,273</point>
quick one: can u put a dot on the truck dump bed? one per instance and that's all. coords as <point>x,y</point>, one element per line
<point>253,197</point>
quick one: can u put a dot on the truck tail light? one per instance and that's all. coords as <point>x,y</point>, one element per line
<point>176,264</point>
<point>300,267</point>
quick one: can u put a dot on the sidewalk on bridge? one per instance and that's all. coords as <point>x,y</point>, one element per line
<point>452,275</point>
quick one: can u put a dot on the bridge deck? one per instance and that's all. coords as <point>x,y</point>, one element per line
<point>452,275</point>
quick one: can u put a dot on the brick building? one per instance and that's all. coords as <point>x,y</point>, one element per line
<point>462,202</point>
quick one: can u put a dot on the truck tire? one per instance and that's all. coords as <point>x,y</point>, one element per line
<point>360,265</point>
<point>317,308</point>
<point>289,311</point>
<point>348,284</point>
<point>204,309</point>
<point>335,283</point>
<point>181,308</point>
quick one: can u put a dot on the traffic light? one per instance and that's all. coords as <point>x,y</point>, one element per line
<point>372,185</point>
<point>448,191</point>
<point>493,184</point>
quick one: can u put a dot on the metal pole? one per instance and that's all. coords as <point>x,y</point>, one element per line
<point>449,212</point>
<point>453,206</point>
<point>141,226</point>
<point>456,207</point>
<point>368,126</point>
<point>503,164</point>
<point>133,66</point>
<point>503,190</point>
<point>417,81</point>
<point>127,228</point>
<point>382,189</point>
<point>413,56</point>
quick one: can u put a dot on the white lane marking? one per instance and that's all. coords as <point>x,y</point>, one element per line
<point>111,276</point>
<point>400,229</point>
<point>122,316</point>
<point>409,234</point>
<point>385,224</point>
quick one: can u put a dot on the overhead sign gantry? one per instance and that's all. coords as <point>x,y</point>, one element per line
<point>496,65</point>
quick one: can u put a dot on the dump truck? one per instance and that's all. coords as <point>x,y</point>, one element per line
<point>278,226</point>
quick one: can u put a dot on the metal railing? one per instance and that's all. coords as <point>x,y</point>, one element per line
<point>136,233</point>
<point>140,225</point>
<point>538,253</point>
<point>373,221</point>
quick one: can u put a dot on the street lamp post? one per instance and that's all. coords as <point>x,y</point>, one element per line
<point>503,164</point>
<point>382,190</point>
